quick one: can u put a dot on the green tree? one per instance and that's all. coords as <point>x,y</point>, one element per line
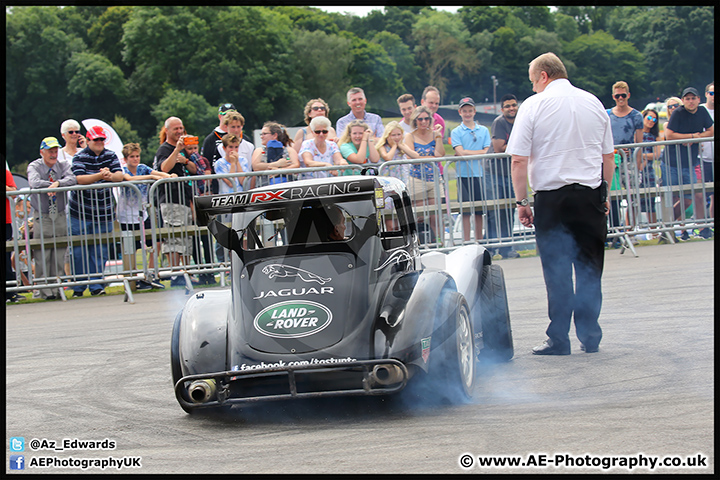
<point>566,27</point>
<point>535,16</point>
<point>105,32</point>
<point>309,18</point>
<point>601,60</point>
<point>36,53</point>
<point>321,63</point>
<point>195,112</point>
<point>675,42</point>
<point>481,18</point>
<point>98,83</point>
<point>124,130</point>
<point>409,72</point>
<point>442,48</point>
<point>372,69</point>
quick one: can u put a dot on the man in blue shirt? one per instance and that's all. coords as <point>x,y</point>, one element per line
<point>91,211</point>
<point>470,138</point>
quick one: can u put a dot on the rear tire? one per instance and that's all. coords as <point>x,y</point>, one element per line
<point>495,316</point>
<point>452,363</point>
<point>175,366</point>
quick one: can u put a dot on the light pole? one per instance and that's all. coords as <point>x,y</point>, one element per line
<point>495,84</point>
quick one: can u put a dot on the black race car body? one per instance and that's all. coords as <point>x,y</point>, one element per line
<point>331,296</point>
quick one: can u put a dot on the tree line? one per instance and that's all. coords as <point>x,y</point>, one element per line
<point>133,66</point>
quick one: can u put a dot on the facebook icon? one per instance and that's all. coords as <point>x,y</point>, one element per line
<point>17,462</point>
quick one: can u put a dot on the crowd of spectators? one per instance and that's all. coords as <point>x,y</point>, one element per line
<point>359,138</point>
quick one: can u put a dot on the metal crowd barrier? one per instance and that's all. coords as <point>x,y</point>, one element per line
<point>485,213</point>
<point>645,202</point>
<point>63,257</point>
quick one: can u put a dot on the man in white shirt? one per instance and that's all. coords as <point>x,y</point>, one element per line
<point>562,141</point>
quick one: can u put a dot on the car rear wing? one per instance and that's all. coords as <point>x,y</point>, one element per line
<point>341,189</point>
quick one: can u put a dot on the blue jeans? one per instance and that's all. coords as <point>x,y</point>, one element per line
<point>89,258</point>
<point>498,185</point>
<point>688,178</point>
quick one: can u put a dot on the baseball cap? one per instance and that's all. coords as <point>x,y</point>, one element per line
<point>227,107</point>
<point>95,132</point>
<point>690,90</point>
<point>48,143</point>
<point>466,101</point>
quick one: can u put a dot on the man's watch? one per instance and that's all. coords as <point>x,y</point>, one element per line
<point>523,203</point>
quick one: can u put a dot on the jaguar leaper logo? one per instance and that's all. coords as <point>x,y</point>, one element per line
<point>293,319</point>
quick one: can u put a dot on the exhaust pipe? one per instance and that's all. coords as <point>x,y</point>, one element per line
<point>386,374</point>
<point>201,391</point>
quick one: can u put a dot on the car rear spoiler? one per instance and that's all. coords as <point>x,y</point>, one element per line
<point>343,188</point>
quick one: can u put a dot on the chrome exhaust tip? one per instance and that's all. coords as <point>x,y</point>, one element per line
<point>386,374</point>
<point>201,391</point>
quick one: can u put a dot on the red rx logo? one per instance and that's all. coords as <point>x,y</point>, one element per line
<point>267,196</point>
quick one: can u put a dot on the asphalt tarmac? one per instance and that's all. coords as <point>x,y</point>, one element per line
<point>98,370</point>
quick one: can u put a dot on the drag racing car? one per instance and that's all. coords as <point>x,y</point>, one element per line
<point>331,296</point>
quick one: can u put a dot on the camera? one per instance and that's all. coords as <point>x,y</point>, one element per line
<point>190,140</point>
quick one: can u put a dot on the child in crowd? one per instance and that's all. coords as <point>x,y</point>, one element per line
<point>230,164</point>
<point>390,146</point>
<point>130,209</point>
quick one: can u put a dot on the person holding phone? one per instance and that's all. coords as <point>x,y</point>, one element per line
<point>74,140</point>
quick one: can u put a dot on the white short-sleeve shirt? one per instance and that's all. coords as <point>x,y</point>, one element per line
<point>564,131</point>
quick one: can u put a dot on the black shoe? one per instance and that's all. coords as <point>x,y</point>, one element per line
<point>51,297</point>
<point>685,236</point>
<point>705,233</point>
<point>96,293</point>
<point>511,254</point>
<point>78,294</point>
<point>14,298</point>
<point>207,279</point>
<point>143,285</point>
<point>548,348</point>
<point>587,349</point>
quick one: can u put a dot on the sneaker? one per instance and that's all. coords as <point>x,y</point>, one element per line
<point>14,298</point>
<point>511,254</point>
<point>142,285</point>
<point>96,293</point>
<point>705,233</point>
<point>685,236</point>
<point>78,294</point>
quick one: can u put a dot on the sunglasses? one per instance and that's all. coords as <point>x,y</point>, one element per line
<point>423,119</point>
<point>97,140</point>
<point>712,94</point>
<point>651,118</point>
<point>324,132</point>
<point>315,109</point>
<point>73,132</point>
<point>620,95</point>
<point>670,107</point>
